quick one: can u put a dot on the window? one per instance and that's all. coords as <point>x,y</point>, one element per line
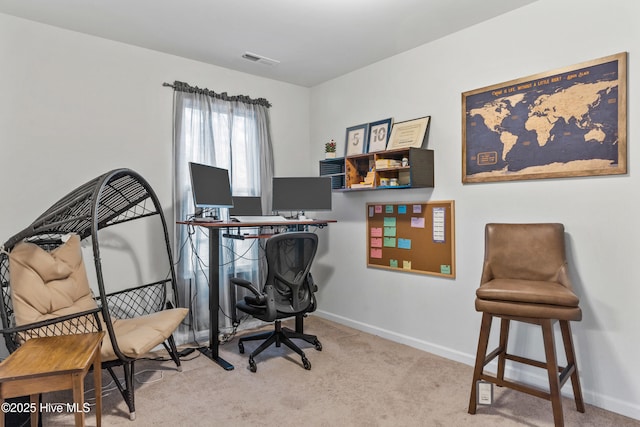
<point>227,134</point>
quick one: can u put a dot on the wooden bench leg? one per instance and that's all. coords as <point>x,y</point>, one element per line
<point>97,386</point>
<point>483,343</point>
<point>35,415</point>
<point>78,398</point>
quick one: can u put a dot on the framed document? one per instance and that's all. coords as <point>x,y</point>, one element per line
<point>411,133</point>
<point>357,137</point>
<point>379,135</point>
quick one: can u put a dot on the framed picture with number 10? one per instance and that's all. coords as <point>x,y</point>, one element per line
<point>379,135</point>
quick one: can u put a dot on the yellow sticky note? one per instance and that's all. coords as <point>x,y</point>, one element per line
<point>406,265</point>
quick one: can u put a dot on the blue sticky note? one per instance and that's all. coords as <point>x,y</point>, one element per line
<point>402,209</point>
<point>404,243</point>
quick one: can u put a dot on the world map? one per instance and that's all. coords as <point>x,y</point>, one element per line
<point>556,125</point>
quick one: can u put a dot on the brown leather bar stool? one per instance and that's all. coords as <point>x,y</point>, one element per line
<point>525,279</point>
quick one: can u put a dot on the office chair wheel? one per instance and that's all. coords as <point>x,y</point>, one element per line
<point>318,345</point>
<point>306,363</point>
<point>241,347</point>
<point>252,364</point>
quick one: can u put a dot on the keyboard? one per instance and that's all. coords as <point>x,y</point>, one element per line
<point>206,219</point>
<point>259,218</point>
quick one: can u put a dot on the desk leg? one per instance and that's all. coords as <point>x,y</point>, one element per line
<point>214,300</point>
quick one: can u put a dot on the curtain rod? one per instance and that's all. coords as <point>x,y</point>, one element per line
<point>184,87</point>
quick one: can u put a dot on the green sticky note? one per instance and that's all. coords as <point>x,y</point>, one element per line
<point>388,209</point>
<point>393,263</point>
<point>390,242</point>
<point>389,221</point>
<point>390,231</point>
<point>445,269</point>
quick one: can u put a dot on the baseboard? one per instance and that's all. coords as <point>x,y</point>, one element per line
<point>399,338</point>
<point>608,403</point>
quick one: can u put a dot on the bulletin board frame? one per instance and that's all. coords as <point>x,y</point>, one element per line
<point>412,237</point>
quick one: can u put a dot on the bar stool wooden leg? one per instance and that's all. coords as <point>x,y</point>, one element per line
<point>565,327</point>
<point>552,370</point>
<point>483,343</point>
<point>504,338</point>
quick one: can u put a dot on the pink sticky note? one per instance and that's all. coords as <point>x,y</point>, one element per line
<point>376,231</point>
<point>376,253</point>
<point>378,208</point>
<point>376,242</point>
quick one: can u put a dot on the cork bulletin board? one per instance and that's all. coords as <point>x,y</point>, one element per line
<point>416,237</point>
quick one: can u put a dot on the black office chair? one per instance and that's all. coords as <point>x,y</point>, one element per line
<point>288,292</point>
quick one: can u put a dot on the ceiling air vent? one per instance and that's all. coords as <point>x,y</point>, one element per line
<point>259,59</point>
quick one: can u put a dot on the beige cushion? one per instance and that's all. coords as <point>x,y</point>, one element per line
<point>139,335</point>
<point>46,285</point>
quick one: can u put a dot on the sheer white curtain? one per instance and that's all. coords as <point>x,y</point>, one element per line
<point>231,134</point>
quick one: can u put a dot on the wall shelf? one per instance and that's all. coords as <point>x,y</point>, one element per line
<point>333,168</point>
<point>359,172</point>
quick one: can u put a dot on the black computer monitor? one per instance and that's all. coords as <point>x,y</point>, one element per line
<point>246,206</point>
<point>302,194</point>
<point>210,186</point>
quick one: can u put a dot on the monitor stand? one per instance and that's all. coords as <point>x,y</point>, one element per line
<point>206,215</point>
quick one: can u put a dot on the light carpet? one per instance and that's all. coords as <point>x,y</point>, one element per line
<point>358,379</point>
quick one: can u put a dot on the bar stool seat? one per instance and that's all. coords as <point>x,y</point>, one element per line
<point>525,279</point>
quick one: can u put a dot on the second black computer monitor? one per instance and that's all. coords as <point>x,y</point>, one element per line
<point>301,194</point>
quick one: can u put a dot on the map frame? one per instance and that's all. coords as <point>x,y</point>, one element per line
<point>569,76</point>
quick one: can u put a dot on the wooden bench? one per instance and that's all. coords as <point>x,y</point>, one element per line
<point>48,364</point>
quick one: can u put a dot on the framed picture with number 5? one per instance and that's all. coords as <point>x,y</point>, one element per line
<point>357,139</point>
<point>379,134</point>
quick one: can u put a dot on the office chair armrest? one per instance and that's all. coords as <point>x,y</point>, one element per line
<point>270,304</point>
<point>312,285</point>
<point>245,284</point>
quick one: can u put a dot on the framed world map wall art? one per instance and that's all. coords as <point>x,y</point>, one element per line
<point>568,122</point>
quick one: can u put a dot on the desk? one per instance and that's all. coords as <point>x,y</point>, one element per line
<point>214,272</point>
<point>47,364</point>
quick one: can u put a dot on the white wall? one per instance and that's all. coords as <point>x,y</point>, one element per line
<point>600,213</point>
<point>75,106</point>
